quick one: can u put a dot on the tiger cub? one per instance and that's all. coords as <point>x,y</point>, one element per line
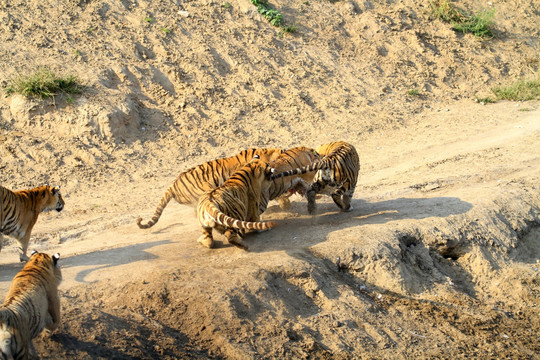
<point>337,173</point>
<point>234,207</point>
<point>31,305</point>
<point>19,211</point>
<point>192,183</point>
<point>281,189</point>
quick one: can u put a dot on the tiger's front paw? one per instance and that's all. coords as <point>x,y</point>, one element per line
<point>206,241</point>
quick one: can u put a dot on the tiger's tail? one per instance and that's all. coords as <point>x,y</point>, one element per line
<point>169,194</point>
<point>319,165</point>
<point>220,218</point>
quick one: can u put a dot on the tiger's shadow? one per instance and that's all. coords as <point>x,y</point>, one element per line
<point>296,221</point>
<point>102,259</point>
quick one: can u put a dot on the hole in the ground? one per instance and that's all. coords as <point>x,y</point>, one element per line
<point>408,241</point>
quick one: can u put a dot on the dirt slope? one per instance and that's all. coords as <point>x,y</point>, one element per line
<point>439,257</point>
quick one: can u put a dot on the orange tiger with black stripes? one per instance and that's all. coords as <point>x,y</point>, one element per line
<point>192,183</point>
<point>234,207</point>
<point>337,174</point>
<point>31,305</point>
<point>19,211</point>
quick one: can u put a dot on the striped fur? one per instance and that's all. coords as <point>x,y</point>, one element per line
<point>31,305</point>
<point>281,189</point>
<point>192,183</point>
<point>233,207</point>
<point>19,211</point>
<point>337,172</point>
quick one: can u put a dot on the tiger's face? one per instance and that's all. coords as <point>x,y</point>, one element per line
<point>53,198</point>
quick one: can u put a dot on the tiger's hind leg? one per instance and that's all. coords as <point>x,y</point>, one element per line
<point>234,239</point>
<point>206,238</point>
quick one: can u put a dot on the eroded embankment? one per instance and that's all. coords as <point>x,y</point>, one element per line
<point>464,284</point>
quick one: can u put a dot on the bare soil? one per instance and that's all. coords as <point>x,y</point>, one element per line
<point>438,259</point>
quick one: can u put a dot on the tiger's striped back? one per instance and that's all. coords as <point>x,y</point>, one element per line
<point>19,212</point>
<point>192,183</point>
<point>31,305</point>
<point>338,169</point>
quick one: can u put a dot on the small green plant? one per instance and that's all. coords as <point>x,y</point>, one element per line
<point>520,90</point>
<point>227,5</point>
<point>149,19</point>
<point>477,24</point>
<point>484,100</point>
<point>289,29</point>
<point>524,109</point>
<point>76,53</point>
<point>43,83</point>
<point>413,92</point>
<point>166,31</point>
<point>272,15</point>
<point>70,99</point>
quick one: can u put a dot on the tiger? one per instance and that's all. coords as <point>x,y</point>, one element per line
<point>192,183</point>
<point>281,189</point>
<point>234,207</point>
<point>31,305</point>
<point>19,211</point>
<point>337,172</point>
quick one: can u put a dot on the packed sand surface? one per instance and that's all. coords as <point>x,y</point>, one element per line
<point>439,257</point>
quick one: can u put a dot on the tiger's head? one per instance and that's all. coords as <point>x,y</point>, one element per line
<point>52,199</point>
<point>260,168</point>
<point>46,263</point>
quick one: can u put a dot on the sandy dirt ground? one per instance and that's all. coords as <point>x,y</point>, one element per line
<point>438,259</point>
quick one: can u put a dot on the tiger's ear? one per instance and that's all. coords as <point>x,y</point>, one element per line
<point>33,252</point>
<point>55,190</point>
<point>270,173</point>
<point>56,257</point>
<point>257,156</point>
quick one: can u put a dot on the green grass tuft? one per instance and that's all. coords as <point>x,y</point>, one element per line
<point>521,90</point>
<point>272,15</point>
<point>479,25</point>
<point>43,83</point>
<point>484,100</point>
